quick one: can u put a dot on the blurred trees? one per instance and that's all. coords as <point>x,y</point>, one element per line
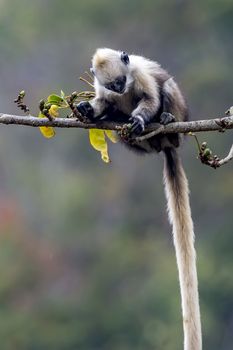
<point>86,254</point>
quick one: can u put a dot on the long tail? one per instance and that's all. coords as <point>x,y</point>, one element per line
<point>177,194</point>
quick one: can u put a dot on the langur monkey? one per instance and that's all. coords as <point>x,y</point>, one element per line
<point>134,89</point>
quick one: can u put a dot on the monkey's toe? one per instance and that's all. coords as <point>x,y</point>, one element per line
<point>85,109</point>
<point>166,118</point>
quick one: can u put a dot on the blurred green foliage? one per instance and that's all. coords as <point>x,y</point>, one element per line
<point>86,253</point>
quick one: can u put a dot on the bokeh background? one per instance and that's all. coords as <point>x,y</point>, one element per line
<point>86,254</point>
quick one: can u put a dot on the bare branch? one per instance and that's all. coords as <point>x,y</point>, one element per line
<point>218,124</point>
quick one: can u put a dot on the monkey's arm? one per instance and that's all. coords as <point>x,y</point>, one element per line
<point>164,105</point>
<point>147,89</point>
<point>145,112</point>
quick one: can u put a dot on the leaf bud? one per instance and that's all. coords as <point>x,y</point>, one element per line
<point>22,94</point>
<point>207,153</point>
<point>203,145</point>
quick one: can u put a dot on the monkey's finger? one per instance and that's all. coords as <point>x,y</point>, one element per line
<point>136,128</point>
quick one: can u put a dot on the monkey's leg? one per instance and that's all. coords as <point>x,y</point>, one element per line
<point>167,117</point>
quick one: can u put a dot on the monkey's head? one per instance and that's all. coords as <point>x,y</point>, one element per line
<point>111,69</point>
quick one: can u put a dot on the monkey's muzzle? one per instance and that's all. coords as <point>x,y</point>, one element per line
<point>118,85</point>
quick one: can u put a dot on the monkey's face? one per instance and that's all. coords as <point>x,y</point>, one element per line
<point>111,69</point>
<point>117,85</point>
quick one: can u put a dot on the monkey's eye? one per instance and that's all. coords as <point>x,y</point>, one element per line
<point>125,57</point>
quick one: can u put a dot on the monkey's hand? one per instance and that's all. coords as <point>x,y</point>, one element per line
<point>138,125</point>
<point>86,110</point>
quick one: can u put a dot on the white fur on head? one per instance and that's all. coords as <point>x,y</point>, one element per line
<point>107,65</point>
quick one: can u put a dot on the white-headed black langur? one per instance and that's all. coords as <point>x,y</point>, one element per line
<point>135,89</point>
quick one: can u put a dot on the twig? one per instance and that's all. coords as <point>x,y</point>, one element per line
<point>159,129</point>
<point>206,156</point>
<point>228,157</point>
<point>90,76</point>
<point>216,163</point>
<point>217,124</point>
<point>86,81</point>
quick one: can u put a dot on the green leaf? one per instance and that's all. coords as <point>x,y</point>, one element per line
<point>55,100</point>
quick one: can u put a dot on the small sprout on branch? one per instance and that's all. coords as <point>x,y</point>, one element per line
<point>49,108</point>
<point>50,111</point>
<point>124,132</point>
<point>206,156</point>
<point>71,103</point>
<point>20,103</point>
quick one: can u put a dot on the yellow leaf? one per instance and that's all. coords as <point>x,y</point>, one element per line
<point>97,140</point>
<point>47,131</point>
<point>112,135</point>
<point>105,156</point>
<point>53,111</point>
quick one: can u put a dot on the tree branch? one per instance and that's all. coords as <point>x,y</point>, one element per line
<point>217,124</point>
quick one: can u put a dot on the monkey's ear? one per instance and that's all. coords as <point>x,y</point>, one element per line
<point>92,71</point>
<point>125,57</point>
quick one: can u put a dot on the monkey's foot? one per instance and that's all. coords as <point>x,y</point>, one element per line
<point>86,109</point>
<point>166,118</point>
